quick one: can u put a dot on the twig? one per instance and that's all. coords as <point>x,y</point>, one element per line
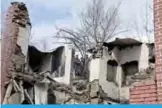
<point>21,91</point>
<point>16,85</point>
<point>27,95</point>
<point>8,93</point>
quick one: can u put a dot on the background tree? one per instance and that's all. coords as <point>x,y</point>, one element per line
<point>97,25</point>
<point>144,27</point>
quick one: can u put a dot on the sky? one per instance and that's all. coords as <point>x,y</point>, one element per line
<point>45,15</point>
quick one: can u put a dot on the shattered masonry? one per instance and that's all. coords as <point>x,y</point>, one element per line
<point>14,41</point>
<point>122,71</point>
<point>124,63</point>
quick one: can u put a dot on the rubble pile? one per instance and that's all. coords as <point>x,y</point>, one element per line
<point>79,93</point>
<point>147,74</point>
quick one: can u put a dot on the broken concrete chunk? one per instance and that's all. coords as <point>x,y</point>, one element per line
<point>94,101</point>
<point>94,89</point>
<point>60,97</point>
<point>15,99</point>
<point>41,93</point>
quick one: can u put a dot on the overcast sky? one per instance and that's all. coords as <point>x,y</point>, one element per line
<point>46,14</point>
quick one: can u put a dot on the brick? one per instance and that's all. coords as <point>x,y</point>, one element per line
<point>143,96</point>
<point>158,45</point>
<point>153,86</point>
<point>159,76</point>
<point>9,37</point>
<point>150,102</point>
<point>143,91</point>
<point>146,83</point>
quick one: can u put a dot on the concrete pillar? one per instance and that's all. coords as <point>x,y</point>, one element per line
<point>15,35</point>
<point>144,57</point>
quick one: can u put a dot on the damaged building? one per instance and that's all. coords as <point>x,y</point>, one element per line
<point>31,76</point>
<point>123,63</point>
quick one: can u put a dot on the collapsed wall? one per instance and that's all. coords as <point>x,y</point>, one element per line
<point>15,36</point>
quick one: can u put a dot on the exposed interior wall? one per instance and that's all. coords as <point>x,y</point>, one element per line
<point>111,70</point>
<point>94,69</point>
<point>111,89</point>
<point>40,93</point>
<point>23,38</point>
<point>68,67</point>
<point>58,62</point>
<point>128,54</point>
<point>129,69</point>
<point>46,63</point>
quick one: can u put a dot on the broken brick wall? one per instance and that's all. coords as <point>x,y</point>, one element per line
<point>158,46</point>
<point>144,93</point>
<point>16,18</point>
<point>151,91</point>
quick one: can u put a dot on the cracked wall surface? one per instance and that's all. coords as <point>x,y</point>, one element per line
<point>14,36</point>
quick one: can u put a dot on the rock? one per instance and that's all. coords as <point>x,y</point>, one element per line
<point>81,86</point>
<point>60,97</point>
<point>94,88</point>
<point>72,101</point>
<point>94,101</point>
<point>15,99</point>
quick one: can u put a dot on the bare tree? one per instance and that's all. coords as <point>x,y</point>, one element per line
<point>97,25</point>
<point>144,26</point>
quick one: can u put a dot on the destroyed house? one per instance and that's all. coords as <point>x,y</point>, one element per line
<point>122,73</point>
<point>123,63</point>
<point>57,62</point>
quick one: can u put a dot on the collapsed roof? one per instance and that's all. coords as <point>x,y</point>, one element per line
<point>122,42</point>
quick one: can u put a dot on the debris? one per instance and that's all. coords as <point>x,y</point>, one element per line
<point>15,99</point>
<point>94,89</point>
<point>8,93</point>
<point>28,97</point>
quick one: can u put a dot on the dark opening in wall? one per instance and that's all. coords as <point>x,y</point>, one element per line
<point>53,62</point>
<point>129,69</point>
<point>111,70</point>
<point>151,53</point>
<point>152,60</point>
<point>35,58</point>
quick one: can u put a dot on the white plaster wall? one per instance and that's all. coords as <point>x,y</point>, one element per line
<point>95,65</point>
<point>94,69</point>
<point>41,93</point>
<point>119,78</point>
<point>108,87</point>
<point>68,62</point>
<point>46,63</point>
<point>124,93</point>
<point>115,54</point>
<point>144,57</point>
<point>23,38</point>
<point>129,54</point>
<point>105,52</point>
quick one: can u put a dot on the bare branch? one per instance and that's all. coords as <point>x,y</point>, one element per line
<point>98,25</point>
